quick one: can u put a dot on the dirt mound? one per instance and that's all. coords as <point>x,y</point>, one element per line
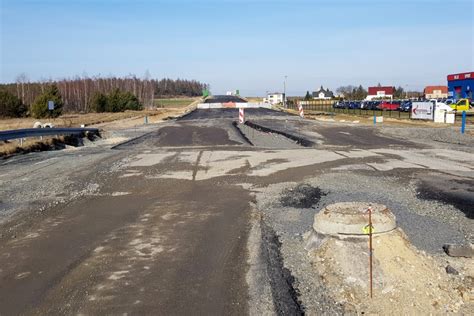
<point>405,281</point>
<point>302,196</point>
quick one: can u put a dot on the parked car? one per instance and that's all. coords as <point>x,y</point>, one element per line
<point>441,105</point>
<point>389,106</point>
<point>374,105</point>
<point>461,105</point>
<point>354,105</point>
<point>405,106</point>
<point>339,105</point>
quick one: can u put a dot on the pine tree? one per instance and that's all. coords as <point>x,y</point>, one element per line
<point>11,105</point>
<point>39,108</point>
<point>98,102</point>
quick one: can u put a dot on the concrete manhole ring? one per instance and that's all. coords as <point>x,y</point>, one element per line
<point>350,218</point>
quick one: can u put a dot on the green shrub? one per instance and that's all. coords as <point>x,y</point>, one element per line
<point>132,102</point>
<point>39,108</point>
<point>118,101</point>
<point>98,102</point>
<point>10,105</point>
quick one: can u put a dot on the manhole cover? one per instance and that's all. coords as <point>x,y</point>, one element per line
<point>352,218</point>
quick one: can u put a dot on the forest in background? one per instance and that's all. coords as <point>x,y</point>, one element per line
<point>78,93</point>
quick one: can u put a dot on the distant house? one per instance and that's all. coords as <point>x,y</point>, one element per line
<point>380,93</point>
<point>233,92</point>
<point>436,92</point>
<point>274,98</point>
<point>323,94</point>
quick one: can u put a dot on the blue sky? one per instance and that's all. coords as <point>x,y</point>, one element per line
<point>246,45</point>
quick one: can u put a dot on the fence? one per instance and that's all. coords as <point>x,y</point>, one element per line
<point>325,106</point>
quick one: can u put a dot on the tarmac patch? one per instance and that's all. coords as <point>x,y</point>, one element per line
<point>302,196</point>
<point>457,193</point>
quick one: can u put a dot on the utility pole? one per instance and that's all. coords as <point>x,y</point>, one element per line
<point>284,92</point>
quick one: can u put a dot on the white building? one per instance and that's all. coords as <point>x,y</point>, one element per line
<point>274,98</point>
<point>435,92</point>
<point>323,94</point>
<point>380,93</point>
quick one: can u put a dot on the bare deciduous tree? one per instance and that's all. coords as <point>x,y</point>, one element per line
<point>78,91</point>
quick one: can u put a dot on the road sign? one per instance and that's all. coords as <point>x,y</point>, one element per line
<point>422,110</point>
<point>50,105</point>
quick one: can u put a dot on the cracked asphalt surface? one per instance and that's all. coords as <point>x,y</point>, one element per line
<point>161,224</point>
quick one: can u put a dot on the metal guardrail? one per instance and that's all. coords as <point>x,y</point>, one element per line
<point>37,132</point>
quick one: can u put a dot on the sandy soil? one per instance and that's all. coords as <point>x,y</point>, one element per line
<point>406,281</point>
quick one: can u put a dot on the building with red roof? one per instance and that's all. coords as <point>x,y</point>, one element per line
<point>380,93</point>
<point>435,92</point>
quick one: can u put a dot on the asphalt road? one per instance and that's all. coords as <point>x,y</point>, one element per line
<point>250,114</point>
<point>161,224</point>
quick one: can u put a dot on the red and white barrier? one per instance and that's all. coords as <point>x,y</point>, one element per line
<point>300,108</point>
<point>241,116</point>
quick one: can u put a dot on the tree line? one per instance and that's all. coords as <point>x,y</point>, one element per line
<point>80,94</point>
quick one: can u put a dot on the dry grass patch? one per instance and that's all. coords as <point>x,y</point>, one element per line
<point>174,102</point>
<point>8,149</point>
<point>254,99</point>
<point>76,120</point>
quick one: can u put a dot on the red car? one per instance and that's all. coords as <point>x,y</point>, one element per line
<point>389,106</point>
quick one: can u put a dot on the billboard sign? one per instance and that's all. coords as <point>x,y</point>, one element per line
<point>463,76</point>
<point>422,110</point>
